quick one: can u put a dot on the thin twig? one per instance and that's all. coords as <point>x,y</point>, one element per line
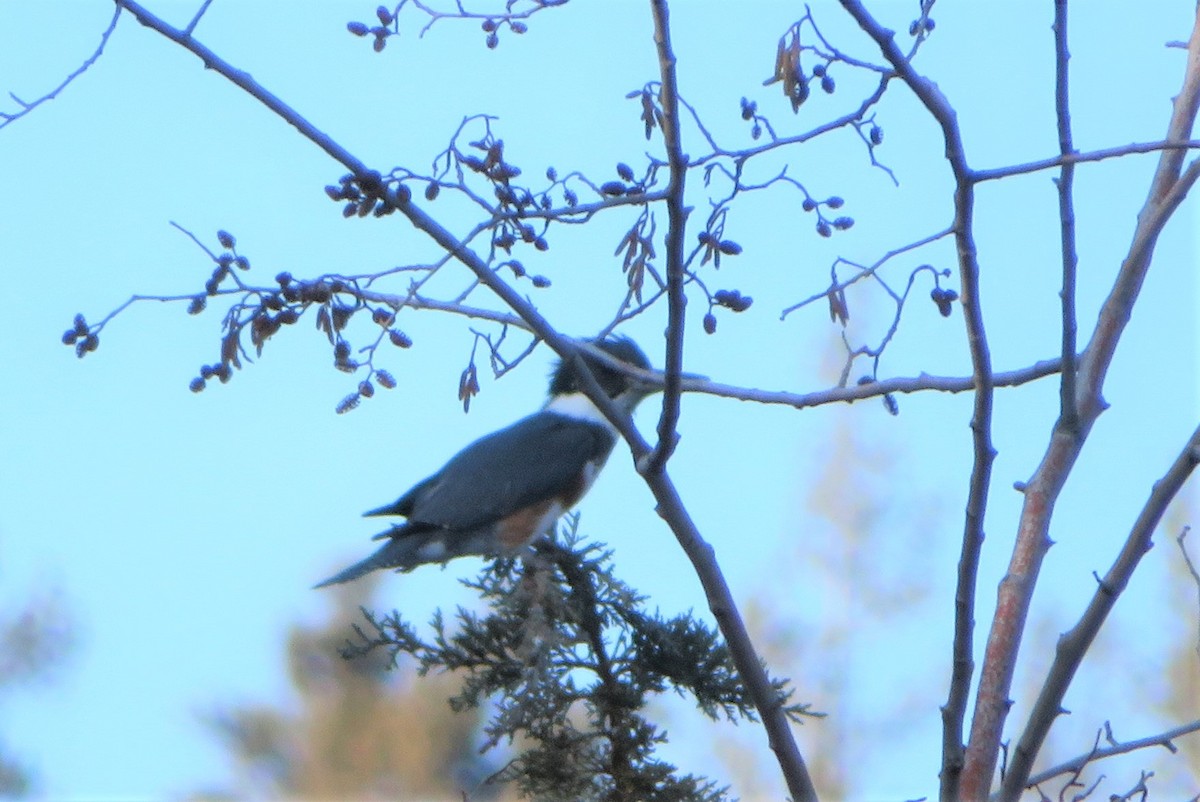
<point>191,26</point>
<point>882,387</point>
<point>1163,739</point>
<point>26,107</point>
<point>1082,157</point>
<point>864,271</point>
<point>1069,414</point>
<point>1191,568</point>
<point>834,395</point>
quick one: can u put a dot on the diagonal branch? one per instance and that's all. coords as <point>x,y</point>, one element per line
<point>1073,645</point>
<point>670,506</point>
<point>1163,739</point>
<point>26,107</point>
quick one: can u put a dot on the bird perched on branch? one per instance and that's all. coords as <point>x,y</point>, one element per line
<point>506,489</point>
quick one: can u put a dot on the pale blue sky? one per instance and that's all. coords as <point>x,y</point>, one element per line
<point>184,531</point>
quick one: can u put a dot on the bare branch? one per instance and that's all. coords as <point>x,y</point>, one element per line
<point>1163,739</point>
<point>191,26</point>
<point>677,215</point>
<point>1167,190</point>
<point>1083,157</point>
<point>1073,645</point>
<point>778,142</point>
<point>954,711</point>
<point>1191,567</point>
<point>864,271</point>
<point>1139,789</point>
<point>26,107</point>
<point>461,13</point>
<point>1069,414</point>
<point>670,507</point>
<point>858,392</point>
<point>652,464</point>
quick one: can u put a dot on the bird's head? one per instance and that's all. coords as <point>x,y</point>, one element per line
<point>625,390</point>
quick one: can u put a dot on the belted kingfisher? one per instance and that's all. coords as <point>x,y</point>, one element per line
<point>506,489</point>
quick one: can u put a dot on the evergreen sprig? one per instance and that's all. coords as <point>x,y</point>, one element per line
<point>570,658</point>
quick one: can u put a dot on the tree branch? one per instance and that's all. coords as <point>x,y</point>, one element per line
<point>191,26</point>
<point>876,389</point>
<point>26,107</point>
<point>1074,644</point>
<point>1041,492</point>
<point>1163,739</point>
<point>954,757</point>
<point>670,506</point>
<point>1078,157</point>
<point>1195,574</point>
<point>677,216</point>
<point>1069,414</point>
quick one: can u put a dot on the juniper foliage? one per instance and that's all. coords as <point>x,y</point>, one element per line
<point>570,657</point>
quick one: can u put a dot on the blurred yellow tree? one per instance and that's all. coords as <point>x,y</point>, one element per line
<point>1181,688</point>
<point>34,643</point>
<point>360,730</point>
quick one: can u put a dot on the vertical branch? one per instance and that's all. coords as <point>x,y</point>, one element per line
<point>1073,645</point>
<point>1167,191</point>
<point>1069,414</point>
<point>652,464</point>
<point>962,659</point>
<point>677,215</point>
<point>954,711</point>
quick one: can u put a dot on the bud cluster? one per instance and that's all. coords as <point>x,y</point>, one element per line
<point>468,386</point>
<point>82,336</point>
<point>380,33</point>
<point>732,300</point>
<point>750,114</point>
<point>652,115</point>
<point>491,27</point>
<point>369,193</point>
<point>366,389</point>
<point>388,25</point>
<point>825,225</point>
<point>923,25</point>
<point>944,298</point>
<point>510,230</point>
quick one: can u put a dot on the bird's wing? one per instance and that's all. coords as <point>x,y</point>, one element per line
<point>534,459</point>
<point>404,504</point>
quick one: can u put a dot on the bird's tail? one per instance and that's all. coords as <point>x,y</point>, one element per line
<point>396,553</point>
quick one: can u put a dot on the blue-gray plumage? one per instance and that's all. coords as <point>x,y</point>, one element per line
<point>508,488</point>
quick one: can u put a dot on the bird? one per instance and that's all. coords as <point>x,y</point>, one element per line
<point>505,490</point>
